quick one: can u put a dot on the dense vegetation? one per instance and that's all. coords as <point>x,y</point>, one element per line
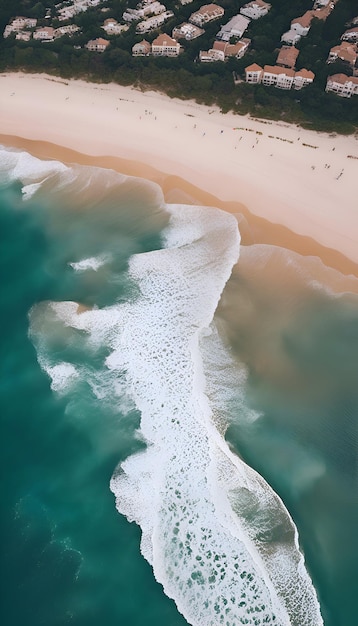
<point>185,77</point>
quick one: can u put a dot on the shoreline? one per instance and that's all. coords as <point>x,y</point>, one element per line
<point>284,200</point>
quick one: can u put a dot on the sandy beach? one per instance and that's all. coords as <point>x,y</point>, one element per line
<point>296,188</point>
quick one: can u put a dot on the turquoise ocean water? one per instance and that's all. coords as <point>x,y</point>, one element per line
<point>142,366</point>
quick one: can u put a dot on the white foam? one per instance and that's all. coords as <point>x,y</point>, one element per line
<point>62,375</point>
<point>92,263</point>
<point>32,172</point>
<point>202,511</point>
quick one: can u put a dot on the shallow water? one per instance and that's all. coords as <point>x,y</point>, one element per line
<point>139,379</point>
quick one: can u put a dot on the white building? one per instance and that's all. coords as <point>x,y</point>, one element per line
<point>342,85</point>
<point>234,28</point>
<point>351,34</point>
<point>222,50</point>
<point>153,22</point>
<point>142,49</point>
<point>303,78</point>
<point>291,37</point>
<point>97,45</point>
<point>253,73</point>
<point>256,9</point>
<point>280,77</point>
<point>164,45</point>
<point>112,27</point>
<point>302,24</point>
<point>45,33</point>
<point>70,29</point>
<point>273,75</point>
<point>187,31</point>
<point>19,24</point>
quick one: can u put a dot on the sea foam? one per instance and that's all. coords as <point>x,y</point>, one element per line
<point>220,541</point>
<point>205,516</point>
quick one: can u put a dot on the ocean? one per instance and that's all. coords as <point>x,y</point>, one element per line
<point>179,413</point>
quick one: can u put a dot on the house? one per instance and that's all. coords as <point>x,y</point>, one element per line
<point>23,35</point>
<point>187,31</point>
<point>238,49</point>
<point>222,50</point>
<point>253,73</point>
<point>19,23</point>
<point>346,52</point>
<point>350,35</point>
<point>70,29</point>
<point>302,24</point>
<point>112,27</point>
<point>302,78</point>
<point>278,76</point>
<point>234,28</point>
<point>342,85</point>
<point>291,37</point>
<point>207,13</point>
<point>97,45</point>
<point>212,55</point>
<point>255,9</point>
<point>45,33</point>
<point>142,49</point>
<point>287,56</point>
<point>164,45</point>
<point>151,23</point>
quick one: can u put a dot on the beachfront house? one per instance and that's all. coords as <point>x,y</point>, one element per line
<point>253,74</point>
<point>97,45</point>
<point>273,75</point>
<point>350,35</point>
<point>302,78</point>
<point>207,13</point>
<point>165,46</point>
<point>346,52</point>
<point>278,76</point>
<point>44,33</point>
<point>287,56</point>
<point>256,9</point>
<point>234,28</point>
<point>187,31</point>
<point>142,49</point>
<point>342,85</point>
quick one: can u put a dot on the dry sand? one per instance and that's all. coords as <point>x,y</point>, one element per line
<point>296,188</point>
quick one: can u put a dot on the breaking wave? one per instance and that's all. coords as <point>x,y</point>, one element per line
<point>219,539</point>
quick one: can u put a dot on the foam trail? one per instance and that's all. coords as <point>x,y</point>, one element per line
<point>206,518</point>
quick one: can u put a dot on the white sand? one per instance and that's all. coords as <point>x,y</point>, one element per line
<point>272,173</point>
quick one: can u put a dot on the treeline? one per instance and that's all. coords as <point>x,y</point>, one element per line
<point>184,77</point>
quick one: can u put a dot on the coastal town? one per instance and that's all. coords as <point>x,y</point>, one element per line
<point>157,31</point>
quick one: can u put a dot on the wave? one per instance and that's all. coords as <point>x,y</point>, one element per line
<point>220,541</point>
